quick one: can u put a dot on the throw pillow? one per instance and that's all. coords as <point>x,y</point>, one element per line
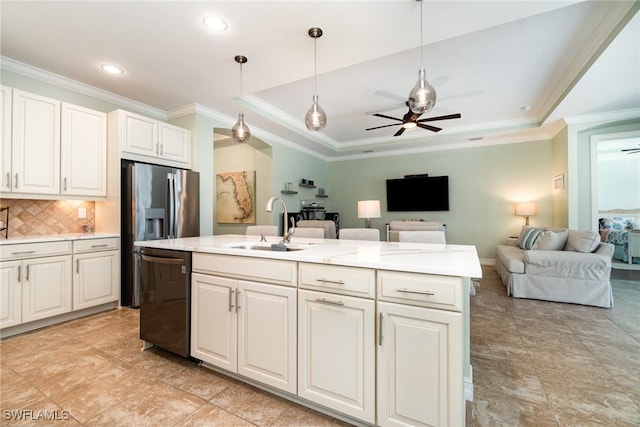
<point>529,237</point>
<point>551,240</point>
<point>582,241</point>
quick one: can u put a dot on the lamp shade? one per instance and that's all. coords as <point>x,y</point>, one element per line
<point>369,209</point>
<point>525,208</point>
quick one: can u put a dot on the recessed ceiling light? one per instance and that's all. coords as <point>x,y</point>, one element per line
<point>111,69</point>
<point>215,23</point>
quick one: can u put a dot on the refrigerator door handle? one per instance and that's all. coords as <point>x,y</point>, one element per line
<point>172,204</point>
<point>135,292</point>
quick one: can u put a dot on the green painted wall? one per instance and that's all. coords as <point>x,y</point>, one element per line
<point>484,183</point>
<point>559,153</point>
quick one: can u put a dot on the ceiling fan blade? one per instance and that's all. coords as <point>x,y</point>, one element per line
<point>400,132</point>
<point>447,117</point>
<point>631,149</point>
<point>384,126</point>
<point>431,128</point>
<point>384,116</point>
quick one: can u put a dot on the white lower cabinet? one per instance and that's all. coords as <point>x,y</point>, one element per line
<point>420,365</point>
<point>35,289</point>
<point>336,352</point>
<point>95,278</point>
<point>10,293</point>
<point>245,327</point>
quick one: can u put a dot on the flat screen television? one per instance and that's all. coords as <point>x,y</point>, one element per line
<point>418,193</point>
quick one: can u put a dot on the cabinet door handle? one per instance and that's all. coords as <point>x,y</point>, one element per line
<point>8,180</point>
<point>77,266</point>
<point>157,148</point>
<point>380,329</point>
<point>238,300</point>
<point>23,253</point>
<point>26,273</point>
<point>162,149</point>
<point>15,184</point>
<point>99,246</point>
<point>64,187</point>
<point>327,301</point>
<point>325,280</point>
<point>409,291</point>
<point>19,273</point>
<point>231,292</point>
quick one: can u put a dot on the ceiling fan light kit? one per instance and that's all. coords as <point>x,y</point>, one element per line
<point>240,131</point>
<point>316,118</point>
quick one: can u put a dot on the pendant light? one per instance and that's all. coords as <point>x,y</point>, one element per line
<point>422,97</point>
<point>316,118</point>
<point>240,131</point>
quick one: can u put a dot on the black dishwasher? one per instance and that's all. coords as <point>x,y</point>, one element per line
<point>165,299</point>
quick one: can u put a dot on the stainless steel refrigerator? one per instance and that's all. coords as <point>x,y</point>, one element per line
<point>158,202</point>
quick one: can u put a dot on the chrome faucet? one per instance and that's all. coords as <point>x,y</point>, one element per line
<point>286,235</point>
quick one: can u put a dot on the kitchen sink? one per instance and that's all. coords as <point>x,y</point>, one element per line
<point>270,247</point>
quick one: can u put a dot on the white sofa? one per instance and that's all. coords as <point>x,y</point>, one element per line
<point>570,266</point>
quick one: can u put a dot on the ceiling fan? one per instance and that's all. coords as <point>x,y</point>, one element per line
<point>631,150</point>
<point>411,120</point>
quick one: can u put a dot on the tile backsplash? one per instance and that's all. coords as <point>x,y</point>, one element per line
<point>28,218</point>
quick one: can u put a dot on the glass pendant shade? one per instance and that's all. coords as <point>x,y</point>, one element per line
<point>422,97</point>
<point>316,118</point>
<point>240,131</point>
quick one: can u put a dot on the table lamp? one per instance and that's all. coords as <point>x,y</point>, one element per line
<point>368,209</point>
<point>526,209</point>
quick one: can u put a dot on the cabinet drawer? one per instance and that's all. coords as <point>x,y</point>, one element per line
<point>34,250</point>
<point>93,245</point>
<point>427,290</point>
<point>342,280</point>
<point>238,267</point>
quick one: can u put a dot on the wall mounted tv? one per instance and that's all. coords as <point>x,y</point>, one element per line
<point>418,193</point>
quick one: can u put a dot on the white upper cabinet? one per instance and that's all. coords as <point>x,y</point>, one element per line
<point>35,165</point>
<point>139,134</point>
<point>174,143</point>
<point>5,134</point>
<point>144,139</point>
<point>51,147</point>
<point>83,152</point>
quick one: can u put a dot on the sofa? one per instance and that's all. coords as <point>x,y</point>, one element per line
<point>558,265</point>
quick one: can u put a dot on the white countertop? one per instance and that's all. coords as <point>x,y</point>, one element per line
<point>57,238</point>
<point>449,260</point>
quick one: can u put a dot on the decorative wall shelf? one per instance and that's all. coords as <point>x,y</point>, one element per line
<point>288,192</point>
<point>322,196</point>
<point>306,185</point>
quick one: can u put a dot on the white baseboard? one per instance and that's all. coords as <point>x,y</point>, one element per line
<point>468,386</point>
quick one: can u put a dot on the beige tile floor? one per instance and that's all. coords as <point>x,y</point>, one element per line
<point>535,364</point>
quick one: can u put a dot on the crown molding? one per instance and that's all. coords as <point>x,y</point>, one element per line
<point>609,116</point>
<point>294,124</point>
<point>602,36</point>
<point>82,88</point>
<point>228,121</point>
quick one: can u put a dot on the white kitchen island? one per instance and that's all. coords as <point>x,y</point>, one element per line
<point>375,333</point>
